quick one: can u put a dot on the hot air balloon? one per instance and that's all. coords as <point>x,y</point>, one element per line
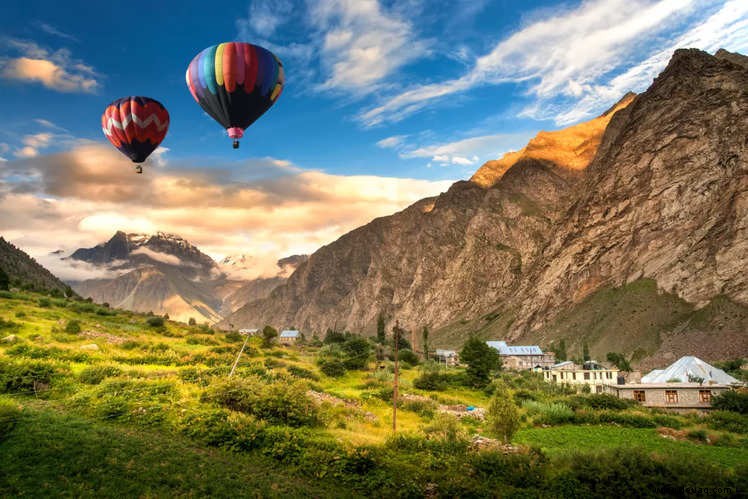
<point>235,83</point>
<point>136,126</point>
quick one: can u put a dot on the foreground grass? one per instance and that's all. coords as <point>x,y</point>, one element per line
<point>564,441</point>
<point>48,453</point>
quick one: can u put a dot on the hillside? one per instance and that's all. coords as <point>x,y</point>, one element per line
<point>637,193</point>
<point>24,271</point>
<point>105,402</point>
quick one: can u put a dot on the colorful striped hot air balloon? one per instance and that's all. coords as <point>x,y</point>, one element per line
<point>235,83</point>
<point>136,126</point>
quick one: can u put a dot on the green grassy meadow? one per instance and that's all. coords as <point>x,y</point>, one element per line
<point>102,402</point>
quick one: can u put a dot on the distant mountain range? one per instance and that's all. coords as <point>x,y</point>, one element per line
<point>628,233</point>
<point>166,274</point>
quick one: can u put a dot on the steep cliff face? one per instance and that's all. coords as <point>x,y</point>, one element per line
<point>24,271</point>
<point>665,199</point>
<point>452,256</point>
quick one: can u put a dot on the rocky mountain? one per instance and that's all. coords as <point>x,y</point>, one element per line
<point>166,274</point>
<point>627,232</point>
<point>162,273</point>
<point>24,271</point>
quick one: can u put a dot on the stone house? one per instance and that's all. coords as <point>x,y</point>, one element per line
<point>449,358</point>
<point>521,357</point>
<point>669,395</point>
<point>289,337</point>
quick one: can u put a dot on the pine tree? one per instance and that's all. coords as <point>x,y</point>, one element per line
<point>380,329</point>
<point>4,280</point>
<point>585,352</point>
<point>425,336</point>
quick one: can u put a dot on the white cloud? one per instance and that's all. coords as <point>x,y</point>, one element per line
<point>55,70</point>
<point>572,53</point>
<point>362,43</point>
<point>33,143</point>
<point>470,151</point>
<point>158,256</point>
<point>265,16</point>
<point>52,30</point>
<point>391,142</point>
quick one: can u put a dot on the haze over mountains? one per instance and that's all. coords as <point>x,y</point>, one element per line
<point>608,232</point>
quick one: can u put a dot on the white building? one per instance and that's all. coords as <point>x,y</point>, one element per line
<point>595,375</point>
<point>522,356</point>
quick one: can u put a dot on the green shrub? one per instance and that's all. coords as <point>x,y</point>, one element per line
<point>502,415</point>
<point>496,470</point>
<point>20,314</point>
<point>728,421</point>
<point>432,381</point>
<point>331,367</point>
<point>155,321</point>
<point>280,402</point>
<point>27,377</point>
<point>300,372</point>
<point>73,327</point>
<point>130,345</point>
<point>234,337</point>
<point>448,431</point>
<point>606,401</point>
<point>731,400</point>
<point>698,435</point>
<point>7,325</point>
<point>549,412</point>
<point>6,294</point>
<point>93,375</point>
<point>221,428</point>
<point>408,357</point>
<point>45,302</point>
<point>424,408</point>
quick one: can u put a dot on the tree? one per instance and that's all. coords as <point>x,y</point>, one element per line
<point>502,416</point>
<point>398,334</point>
<point>560,350</point>
<point>481,361</point>
<point>333,337</point>
<point>356,352</point>
<point>619,360</point>
<point>4,280</point>
<point>585,351</point>
<point>380,329</point>
<point>192,321</point>
<point>425,336</point>
<point>269,333</point>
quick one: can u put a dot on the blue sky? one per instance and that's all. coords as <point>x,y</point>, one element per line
<point>391,98</point>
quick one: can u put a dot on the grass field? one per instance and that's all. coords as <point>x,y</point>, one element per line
<point>100,402</point>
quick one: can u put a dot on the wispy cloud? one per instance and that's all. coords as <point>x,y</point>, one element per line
<point>569,56</point>
<point>391,142</point>
<point>362,43</point>
<point>54,31</point>
<point>56,70</point>
<point>467,152</point>
<point>265,16</point>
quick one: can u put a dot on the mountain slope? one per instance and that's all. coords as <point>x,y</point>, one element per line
<point>25,271</point>
<point>454,255</point>
<point>532,245</point>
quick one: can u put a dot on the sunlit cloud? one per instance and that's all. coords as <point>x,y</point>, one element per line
<point>55,70</point>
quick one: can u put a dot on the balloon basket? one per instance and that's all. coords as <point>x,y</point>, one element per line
<point>236,144</point>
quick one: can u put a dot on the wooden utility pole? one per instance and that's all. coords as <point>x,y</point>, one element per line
<point>396,335</point>
<point>236,362</point>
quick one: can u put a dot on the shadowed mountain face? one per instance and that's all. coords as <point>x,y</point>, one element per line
<point>24,271</point>
<point>652,191</point>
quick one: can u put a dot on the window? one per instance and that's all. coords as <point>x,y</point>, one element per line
<point>639,396</point>
<point>671,396</point>
<point>609,375</point>
<point>599,389</point>
<point>586,375</point>
<point>574,376</point>
<point>705,396</point>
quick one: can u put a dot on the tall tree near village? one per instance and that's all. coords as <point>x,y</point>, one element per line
<point>425,337</point>
<point>380,329</point>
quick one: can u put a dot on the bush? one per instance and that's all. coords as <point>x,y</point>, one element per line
<point>424,408</point>
<point>448,431</point>
<point>731,400</point>
<point>155,321</point>
<point>94,375</point>
<point>728,421</point>
<point>26,377</point>
<point>282,402</point>
<point>300,372</point>
<point>408,357</point>
<point>432,381</point>
<point>698,435</point>
<point>332,367</point>
<point>45,302</point>
<point>73,327</point>
<point>606,401</point>
<point>221,428</point>
<point>549,412</point>
<point>356,351</point>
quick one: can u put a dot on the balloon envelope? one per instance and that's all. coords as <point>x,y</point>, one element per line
<point>135,125</point>
<point>235,83</point>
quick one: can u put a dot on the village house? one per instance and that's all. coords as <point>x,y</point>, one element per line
<point>669,395</point>
<point>449,358</point>
<point>289,337</point>
<point>592,374</point>
<point>522,357</point>
<point>688,383</point>
<point>250,332</point>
